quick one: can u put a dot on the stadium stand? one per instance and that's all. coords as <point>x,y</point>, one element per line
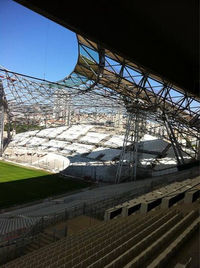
<point>44,148</point>
<point>9,225</point>
<point>164,197</point>
<point>44,132</point>
<point>79,148</point>
<point>115,141</point>
<point>74,132</point>
<point>192,195</point>
<point>56,131</point>
<point>56,144</point>
<point>110,155</point>
<point>99,199</point>
<point>93,137</point>
<point>134,241</point>
<point>147,159</point>
<point>104,154</point>
<point>35,142</point>
<point>150,143</point>
<point>93,148</point>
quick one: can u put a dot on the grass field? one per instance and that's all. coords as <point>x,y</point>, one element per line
<point>20,185</point>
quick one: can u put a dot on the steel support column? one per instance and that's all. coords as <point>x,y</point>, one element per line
<point>174,142</point>
<point>129,156</point>
<point>124,149</point>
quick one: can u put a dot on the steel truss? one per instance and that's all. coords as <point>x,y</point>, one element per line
<point>4,113</point>
<point>104,81</point>
<point>30,97</point>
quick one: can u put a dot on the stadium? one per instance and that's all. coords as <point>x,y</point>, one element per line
<point>101,168</point>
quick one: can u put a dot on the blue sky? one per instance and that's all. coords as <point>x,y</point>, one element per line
<point>33,45</point>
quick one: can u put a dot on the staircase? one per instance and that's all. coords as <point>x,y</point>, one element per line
<point>42,240</point>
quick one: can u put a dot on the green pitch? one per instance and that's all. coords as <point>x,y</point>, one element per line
<point>21,185</point>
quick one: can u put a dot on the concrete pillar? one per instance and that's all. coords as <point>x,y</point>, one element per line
<point>171,200</point>
<point>165,202</point>
<point>144,208</point>
<point>112,212</point>
<point>191,196</point>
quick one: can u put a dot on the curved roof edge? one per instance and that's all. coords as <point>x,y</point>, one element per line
<point>161,36</point>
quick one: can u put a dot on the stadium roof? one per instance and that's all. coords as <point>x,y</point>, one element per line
<point>162,36</point>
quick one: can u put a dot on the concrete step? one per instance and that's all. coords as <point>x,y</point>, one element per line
<point>43,240</point>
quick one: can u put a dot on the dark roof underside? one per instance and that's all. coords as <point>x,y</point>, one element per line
<point>162,36</point>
